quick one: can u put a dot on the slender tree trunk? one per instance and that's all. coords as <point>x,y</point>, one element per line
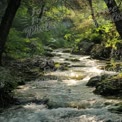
<point>42,9</point>
<point>92,13</point>
<point>116,15</point>
<point>6,23</point>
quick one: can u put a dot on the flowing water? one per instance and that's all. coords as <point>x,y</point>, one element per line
<point>65,96</point>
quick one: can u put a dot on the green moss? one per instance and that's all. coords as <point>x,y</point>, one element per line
<point>57,65</point>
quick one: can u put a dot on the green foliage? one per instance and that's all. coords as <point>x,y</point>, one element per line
<point>67,25</point>
<point>7,80</point>
<point>58,43</point>
<point>109,35</point>
<point>22,18</point>
<point>20,47</point>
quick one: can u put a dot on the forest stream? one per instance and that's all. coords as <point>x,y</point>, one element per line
<point>62,96</point>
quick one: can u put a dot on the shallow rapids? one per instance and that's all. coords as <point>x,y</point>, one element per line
<point>65,96</point>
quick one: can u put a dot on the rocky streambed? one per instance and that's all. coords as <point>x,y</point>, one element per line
<point>62,95</point>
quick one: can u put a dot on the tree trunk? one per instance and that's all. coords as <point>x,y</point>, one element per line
<point>6,23</point>
<point>92,13</point>
<point>42,9</point>
<point>116,15</point>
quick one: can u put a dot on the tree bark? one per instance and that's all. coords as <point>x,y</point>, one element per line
<point>116,15</point>
<point>6,23</point>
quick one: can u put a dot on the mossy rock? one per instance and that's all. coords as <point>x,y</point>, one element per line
<point>57,65</point>
<point>100,52</point>
<point>84,47</point>
<point>110,87</point>
<point>117,67</point>
<point>94,81</point>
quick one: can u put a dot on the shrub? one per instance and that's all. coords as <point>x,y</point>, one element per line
<point>7,83</point>
<point>21,47</point>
